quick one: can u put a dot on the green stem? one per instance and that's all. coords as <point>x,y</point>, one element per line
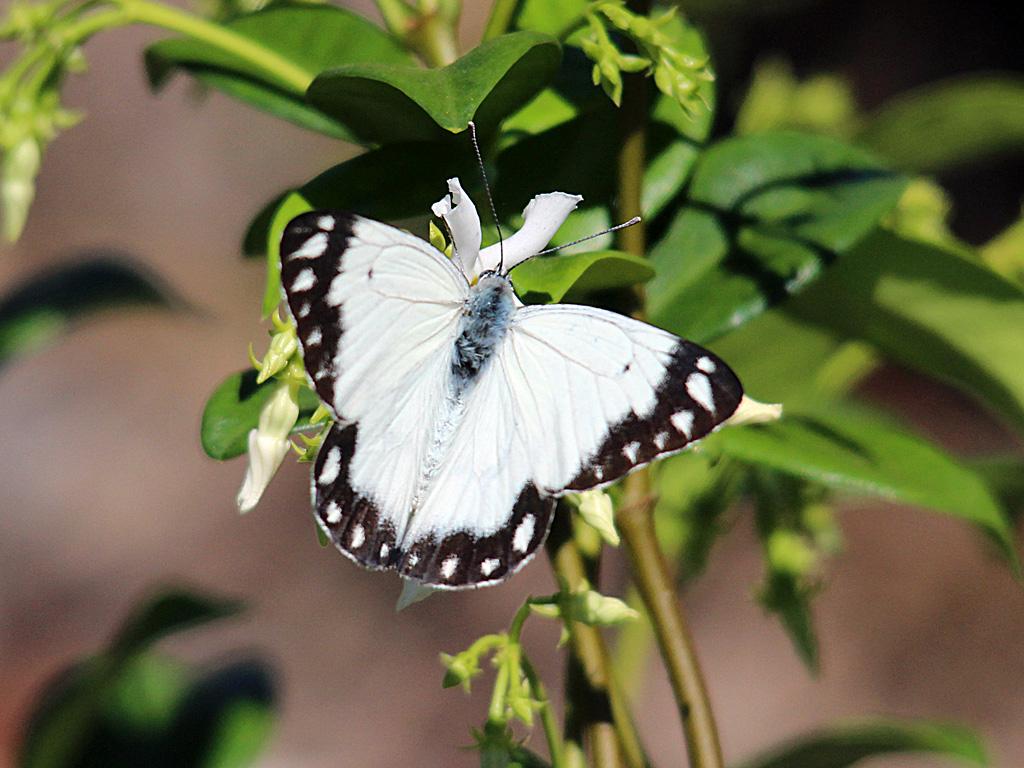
<point>656,587</point>
<point>547,715</point>
<point>501,16</point>
<point>594,701</point>
<point>496,710</point>
<point>284,72</point>
<point>634,518</point>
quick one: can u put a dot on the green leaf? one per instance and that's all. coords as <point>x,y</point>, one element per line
<point>858,451</point>
<point>765,215</point>
<point>234,409</point>
<point>550,279</point>
<point>165,614</point>
<point>556,19</point>
<point>388,103</point>
<point>1005,476</point>
<point>224,720</point>
<point>844,745</point>
<point>932,310</point>
<point>39,310</point>
<point>950,124</point>
<point>312,37</point>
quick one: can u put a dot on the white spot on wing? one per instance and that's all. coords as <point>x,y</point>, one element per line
<point>304,281</point>
<point>698,386</point>
<point>357,536</point>
<point>706,364</point>
<point>333,513</point>
<point>661,440</point>
<point>305,309</point>
<point>325,223</point>
<point>385,550</point>
<point>332,466</point>
<point>413,559</point>
<point>683,422</point>
<point>314,338</point>
<point>631,450</point>
<point>524,534</point>
<point>489,566</point>
<point>449,565</point>
<point>598,473</point>
<point>312,248</point>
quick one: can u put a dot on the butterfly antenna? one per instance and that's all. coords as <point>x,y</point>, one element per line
<point>616,228</point>
<point>490,199</point>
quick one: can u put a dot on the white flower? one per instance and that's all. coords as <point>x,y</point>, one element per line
<point>541,219</point>
<point>269,443</point>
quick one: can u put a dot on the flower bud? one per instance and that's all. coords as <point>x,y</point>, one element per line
<point>269,443</point>
<point>595,507</point>
<point>18,185</point>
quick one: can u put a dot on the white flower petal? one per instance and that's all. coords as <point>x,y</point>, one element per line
<point>541,219</point>
<point>463,222</point>
<point>265,456</point>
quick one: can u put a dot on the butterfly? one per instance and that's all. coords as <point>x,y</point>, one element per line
<point>460,415</point>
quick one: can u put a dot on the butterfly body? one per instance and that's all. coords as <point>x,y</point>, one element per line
<point>462,415</point>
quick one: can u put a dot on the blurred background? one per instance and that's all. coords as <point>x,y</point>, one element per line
<point>105,492</point>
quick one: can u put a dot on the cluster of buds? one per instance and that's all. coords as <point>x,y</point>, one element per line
<point>31,114</point>
<point>271,440</point>
<point>660,52</point>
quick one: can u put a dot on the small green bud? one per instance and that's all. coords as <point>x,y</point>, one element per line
<point>18,171</point>
<point>790,553</point>
<point>283,345</point>
<point>597,511</point>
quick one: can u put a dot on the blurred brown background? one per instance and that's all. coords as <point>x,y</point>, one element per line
<point>105,492</point>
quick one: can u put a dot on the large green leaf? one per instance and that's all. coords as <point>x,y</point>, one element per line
<point>949,124</point>
<point>844,745</point>
<point>932,310</point>
<point>858,451</point>
<point>765,215</point>
<point>312,38</point>
<point>39,310</point>
<point>234,409</point>
<point>550,279</point>
<point>388,103</point>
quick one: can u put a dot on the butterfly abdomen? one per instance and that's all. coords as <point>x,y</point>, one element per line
<point>482,327</point>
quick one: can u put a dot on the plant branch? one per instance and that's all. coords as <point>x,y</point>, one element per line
<point>282,71</point>
<point>634,518</point>
<point>501,16</point>
<point>656,587</point>
<point>595,705</point>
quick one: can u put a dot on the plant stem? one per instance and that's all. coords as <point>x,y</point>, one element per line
<point>275,67</point>
<point>634,518</point>
<point>656,587</point>
<point>500,18</point>
<point>594,701</point>
<point>547,715</point>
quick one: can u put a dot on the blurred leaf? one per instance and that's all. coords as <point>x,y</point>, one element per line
<point>765,215</point>
<point>166,613</point>
<point>224,721</point>
<point>387,103</point>
<point>36,312</point>
<point>856,450</point>
<point>844,745</point>
<point>549,279</point>
<point>312,37</point>
<point>127,707</point>
<point>776,100</point>
<point>931,310</point>
<point>234,409</point>
<point>949,124</point>
<point>1005,252</point>
<point>1004,475</point>
<point>555,19</point>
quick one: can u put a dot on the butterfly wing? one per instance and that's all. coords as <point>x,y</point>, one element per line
<point>376,311</point>
<point>575,398</point>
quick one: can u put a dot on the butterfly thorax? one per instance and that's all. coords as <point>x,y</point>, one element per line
<point>484,323</point>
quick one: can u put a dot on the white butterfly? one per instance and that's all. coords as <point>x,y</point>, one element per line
<point>461,414</point>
